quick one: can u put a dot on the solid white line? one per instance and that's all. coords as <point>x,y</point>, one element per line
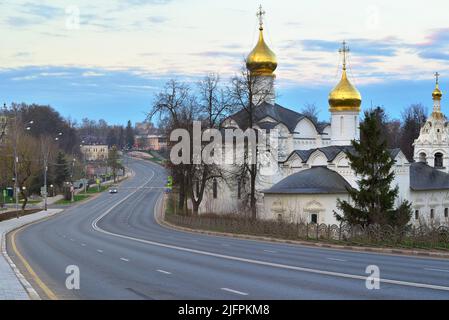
<point>235,291</point>
<point>438,270</point>
<point>72,240</point>
<point>83,244</point>
<point>252,261</point>
<point>335,259</point>
<point>100,251</point>
<point>124,259</point>
<point>162,271</point>
<point>225,245</point>
<point>270,251</point>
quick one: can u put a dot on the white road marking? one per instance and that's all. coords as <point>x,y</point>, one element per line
<point>335,259</point>
<point>124,259</point>
<point>83,244</point>
<point>270,251</point>
<point>163,271</point>
<point>72,240</point>
<point>100,251</point>
<point>251,261</point>
<point>225,245</point>
<point>438,270</point>
<point>234,291</point>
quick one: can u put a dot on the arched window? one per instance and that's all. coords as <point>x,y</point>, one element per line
<point>438,160</point>
<point>423,157</point>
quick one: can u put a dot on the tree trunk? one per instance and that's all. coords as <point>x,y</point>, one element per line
<point>253,191</point>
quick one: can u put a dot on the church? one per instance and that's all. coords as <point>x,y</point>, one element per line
<point>313,170</point>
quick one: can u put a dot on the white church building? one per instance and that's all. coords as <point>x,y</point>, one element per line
<point>313,170</point>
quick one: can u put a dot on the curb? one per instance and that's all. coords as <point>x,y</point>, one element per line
<point>32,294</point>
<point>160,218</point>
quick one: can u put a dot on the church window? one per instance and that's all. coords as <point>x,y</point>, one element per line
<point>416,214</point>
<point>446,212</point>
<point>422,157</point>
<point>215,188</point>
<point>314,218</point>
<point>438,160</point>
<point>432,213</point>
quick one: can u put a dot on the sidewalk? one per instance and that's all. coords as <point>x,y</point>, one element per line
<point>13,286</point>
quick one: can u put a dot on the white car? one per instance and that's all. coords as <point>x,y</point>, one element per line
<point>111,191</point>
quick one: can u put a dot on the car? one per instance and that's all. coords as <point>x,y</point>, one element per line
<point>111,191</point>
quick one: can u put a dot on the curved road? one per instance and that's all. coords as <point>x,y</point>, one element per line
<point>122,253</point>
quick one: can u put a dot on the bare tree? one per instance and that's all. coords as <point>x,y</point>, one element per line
<point>311,111</point>
<point>413,119</point>
<point>175,107</point>
<point>248,91</point>
<point>213,107</point>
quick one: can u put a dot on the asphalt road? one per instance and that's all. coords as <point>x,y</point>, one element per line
<point>122,253</point>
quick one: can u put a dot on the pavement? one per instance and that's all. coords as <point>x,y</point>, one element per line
<point>13,286</point>
<point>122,252</point>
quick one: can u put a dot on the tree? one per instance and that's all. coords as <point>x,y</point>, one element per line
<point>374,201</point>
<point>248,91</point>
<point>213,107</point>
<point>130,136</point>
<point>311,111</point>
<point>114,162</point>
<point>175,107</point>
<point>61,171</point>
<point>413,119</point>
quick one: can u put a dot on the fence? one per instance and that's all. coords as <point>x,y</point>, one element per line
<point>375,235</point>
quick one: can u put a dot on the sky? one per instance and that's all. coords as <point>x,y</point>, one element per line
<point>107,59</point>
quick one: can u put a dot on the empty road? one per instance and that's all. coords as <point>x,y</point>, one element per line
<point>123,253</point>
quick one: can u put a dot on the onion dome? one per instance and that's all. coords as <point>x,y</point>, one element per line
<point>261,61</point>
<point>345,97</point>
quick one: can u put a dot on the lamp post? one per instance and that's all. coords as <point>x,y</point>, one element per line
<point>46,153</point>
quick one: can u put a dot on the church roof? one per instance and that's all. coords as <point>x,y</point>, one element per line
<point>317,180</point>
<point>276,112</point>
<point>331,152</point>
<point>423,177</point>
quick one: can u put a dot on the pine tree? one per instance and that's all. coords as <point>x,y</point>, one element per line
<point>62,172</point>
<point>374,201</point>
<point>129,135</point>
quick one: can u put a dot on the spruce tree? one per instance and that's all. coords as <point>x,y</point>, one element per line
<point>374,201</point>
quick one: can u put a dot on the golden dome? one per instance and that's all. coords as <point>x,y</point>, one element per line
<point>437,94</point>
<point>345,97</point>
<point>261,61</point>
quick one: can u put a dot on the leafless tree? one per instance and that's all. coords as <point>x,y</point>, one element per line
<point>413,119</point>
<point>311,111</point>
<point>247,92</point>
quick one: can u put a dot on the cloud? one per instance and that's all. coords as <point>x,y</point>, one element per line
<point>435,46</point>
<point>385,47</point>
<point>42,10</point>
<point>15,21</point>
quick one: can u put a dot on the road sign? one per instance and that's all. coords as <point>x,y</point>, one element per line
<point>169,184</point>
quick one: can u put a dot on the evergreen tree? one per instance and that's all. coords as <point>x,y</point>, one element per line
<point>62,172</point>
<point>374,202</point>
<point>129,135</point>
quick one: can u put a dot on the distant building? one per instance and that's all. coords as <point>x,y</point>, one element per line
<point>151,142</point>
<point>95,152</point>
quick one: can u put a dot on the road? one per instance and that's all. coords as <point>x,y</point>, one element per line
<point>123,253</point>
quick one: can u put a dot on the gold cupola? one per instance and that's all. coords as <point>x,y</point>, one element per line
<point>261,61</point>
<point>437,94</point>
<point>345,97</point>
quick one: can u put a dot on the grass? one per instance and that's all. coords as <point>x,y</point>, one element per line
<point>76,198</point>
<point>12,200</point>
<point>94,189</point>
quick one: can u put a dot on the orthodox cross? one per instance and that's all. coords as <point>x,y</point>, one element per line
<point>344,50</point>
<point>260,15</point>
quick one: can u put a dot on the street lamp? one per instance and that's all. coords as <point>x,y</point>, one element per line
<point>46,155</point>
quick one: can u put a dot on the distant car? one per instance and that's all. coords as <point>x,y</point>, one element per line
<point>111,191</point>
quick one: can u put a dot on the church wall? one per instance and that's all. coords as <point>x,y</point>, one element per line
<point>297,208</point>
<point>423,202</point>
